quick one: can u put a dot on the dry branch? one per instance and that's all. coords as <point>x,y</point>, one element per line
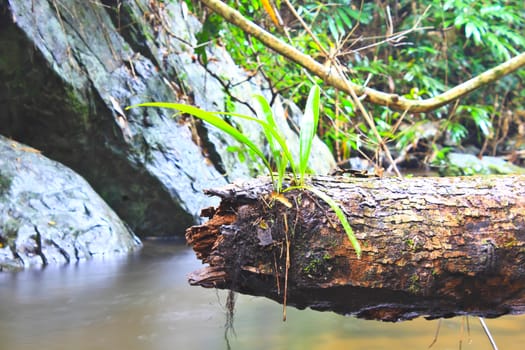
<point>435,247</point>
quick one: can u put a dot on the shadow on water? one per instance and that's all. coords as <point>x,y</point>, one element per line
<point>143,301</point>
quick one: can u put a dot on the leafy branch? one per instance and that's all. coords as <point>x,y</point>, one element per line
<point>337,80</point>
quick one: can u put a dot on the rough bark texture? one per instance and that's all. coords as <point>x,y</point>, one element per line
<point>435,247</point>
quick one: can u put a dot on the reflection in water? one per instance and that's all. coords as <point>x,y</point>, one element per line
<point>143,301</point>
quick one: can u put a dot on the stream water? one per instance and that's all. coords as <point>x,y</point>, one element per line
<point>143,301</point>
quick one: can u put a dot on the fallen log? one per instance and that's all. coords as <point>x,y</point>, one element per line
<point>433,247</point>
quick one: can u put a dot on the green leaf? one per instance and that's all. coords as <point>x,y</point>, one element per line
<point>345,18</point>
<point>469,29</point>
<point>354,14</point>
<point>341,216</point>
<point>339,24</point>
<point>489,10</point>
<point>332,27</point>
<point>280,152</point>
<point>308,126</point>
<point>214,120</point>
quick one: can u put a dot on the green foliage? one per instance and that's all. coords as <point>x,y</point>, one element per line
<point>455,130</point>
<point>214,119</point>
<point>342,218</point>
<point>336,15</point>
<point>210,30</point>
<point>309,124</point>
<point>480,115</point>
<point>281,155</point>
<point>440,156</point>
<point>488,24</point>
<point>455,40</point>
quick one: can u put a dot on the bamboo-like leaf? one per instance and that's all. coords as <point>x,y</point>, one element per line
<point>273,134</point>
<point>341,216</point>
<point>308,126</point>
<point>264,112</point>
<point>214,120</point>
<point>280,151</point>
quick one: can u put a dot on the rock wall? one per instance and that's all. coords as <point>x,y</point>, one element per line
<point>69,69</point>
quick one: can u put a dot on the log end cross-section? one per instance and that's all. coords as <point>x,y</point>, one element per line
<point>434,247</point>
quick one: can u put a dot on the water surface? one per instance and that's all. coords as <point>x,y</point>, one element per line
<point>143,301</point>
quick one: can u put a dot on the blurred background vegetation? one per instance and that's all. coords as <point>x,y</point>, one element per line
<point>413,48</point>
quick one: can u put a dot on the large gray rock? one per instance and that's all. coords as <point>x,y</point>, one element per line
<point>50,214</point>
<point>65,80</point>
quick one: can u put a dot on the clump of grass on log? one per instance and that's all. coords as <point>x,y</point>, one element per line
<point>281,155</point>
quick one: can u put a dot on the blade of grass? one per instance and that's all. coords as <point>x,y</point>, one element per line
<point>214,120</point>
<point>278,148</point>
<point>274,133</point>
<point>264,112</point>
<point>341,216</point>
<point>309,123</point>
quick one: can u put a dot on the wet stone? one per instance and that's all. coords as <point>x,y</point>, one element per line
<point>49,214</point>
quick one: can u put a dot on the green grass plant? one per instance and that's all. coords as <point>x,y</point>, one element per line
<point>309,123</point>
<point>341,216</point>
<point>280,152</point>
<point>214,119</point>
<point>281,155</point>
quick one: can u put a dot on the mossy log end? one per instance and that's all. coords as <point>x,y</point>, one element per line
<point>434,247</point>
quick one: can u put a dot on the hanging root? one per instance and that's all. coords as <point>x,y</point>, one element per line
<point>287,266</point>
<point>436,334</point>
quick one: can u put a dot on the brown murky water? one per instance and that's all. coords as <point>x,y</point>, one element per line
<point>144,302</point>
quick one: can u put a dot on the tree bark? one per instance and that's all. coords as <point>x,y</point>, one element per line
<point>433,247</point>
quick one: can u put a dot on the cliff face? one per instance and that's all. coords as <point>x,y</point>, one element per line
<point>68,72</point>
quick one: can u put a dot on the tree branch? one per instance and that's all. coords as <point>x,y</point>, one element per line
<point>335,79</point>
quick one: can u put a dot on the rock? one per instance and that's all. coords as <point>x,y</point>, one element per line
<point>468,164</point>
<point>65,82</point>
<point>67,99</point>
<point>49,214</point>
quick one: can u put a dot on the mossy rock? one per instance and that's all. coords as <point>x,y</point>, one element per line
<point>459,164</point>
<point>5,182</point>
